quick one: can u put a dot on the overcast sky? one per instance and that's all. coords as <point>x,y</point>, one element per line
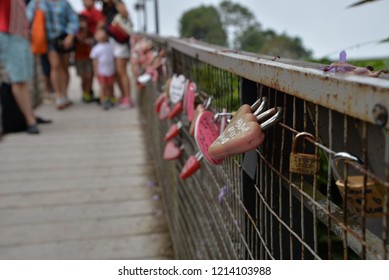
<point>325,26</point>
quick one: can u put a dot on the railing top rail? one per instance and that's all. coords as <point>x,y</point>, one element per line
<point>356,96</point>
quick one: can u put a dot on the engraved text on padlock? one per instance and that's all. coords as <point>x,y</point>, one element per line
<point>356,193</point>
<point>302,163</point>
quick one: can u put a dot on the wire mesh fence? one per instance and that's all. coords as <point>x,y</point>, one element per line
<point>332,203</point>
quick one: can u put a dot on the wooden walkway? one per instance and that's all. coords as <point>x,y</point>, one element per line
<point>83,189</point>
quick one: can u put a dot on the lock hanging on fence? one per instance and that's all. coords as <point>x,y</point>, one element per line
<point>357,189</point>
<point>302,163</point>
<point>244,132</point>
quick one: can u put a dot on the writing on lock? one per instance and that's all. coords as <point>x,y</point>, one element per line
<point>177,88</point>
<point>236,129</point>
<point>205,134</point>
<point>364,195</point>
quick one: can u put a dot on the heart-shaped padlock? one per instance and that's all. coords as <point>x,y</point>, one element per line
<point>206,132</point>
<point>191,166</point>
<point>173,131</point>
<point>236,126</point>
<point>199,109</point>
<point>177,88</point>
<point>244,133</point>
<point>158,102</point>
<point>164,110</point>
<point>190,100</point>
<point>171,151</point>
<point>176,110</point>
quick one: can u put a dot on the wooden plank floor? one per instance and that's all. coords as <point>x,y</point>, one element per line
<point>80,190</point>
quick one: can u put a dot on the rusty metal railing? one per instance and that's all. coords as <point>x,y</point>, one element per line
<point>251,206</point>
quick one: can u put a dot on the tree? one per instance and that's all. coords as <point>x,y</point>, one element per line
<point>236,15</point>
<point>252,38</point>
<point>204,24</point>
<point>210,25</point>
<point>285,46</point>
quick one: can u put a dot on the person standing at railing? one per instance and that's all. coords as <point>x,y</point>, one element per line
<point>15,55</point>
<point>111,8</point>
<point>62,25</point>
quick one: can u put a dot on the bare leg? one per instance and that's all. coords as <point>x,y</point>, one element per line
<point>22,96</point>
<point>64,58</point>
<point>123,79</point>
<point>56,74</point>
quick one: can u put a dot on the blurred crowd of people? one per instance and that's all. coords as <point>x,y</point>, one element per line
<point>84,37</point>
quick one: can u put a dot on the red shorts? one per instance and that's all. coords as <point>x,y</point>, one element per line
<point>106,80</point>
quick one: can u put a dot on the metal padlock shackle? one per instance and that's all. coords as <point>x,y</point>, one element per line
<point>207,102</point>
<point>270,117</point>
<point>345,157</point>
<point>298,136</point>
<point>259,106</point>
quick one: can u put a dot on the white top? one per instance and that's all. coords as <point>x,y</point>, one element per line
<point>103,53</point>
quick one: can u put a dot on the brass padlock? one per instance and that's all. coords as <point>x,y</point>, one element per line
<point>302,163</point>
<point>356,192</point>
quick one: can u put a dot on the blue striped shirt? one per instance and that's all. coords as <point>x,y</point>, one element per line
<point>60,17</point>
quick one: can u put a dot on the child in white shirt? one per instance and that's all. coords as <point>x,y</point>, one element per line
<point>104,66</point>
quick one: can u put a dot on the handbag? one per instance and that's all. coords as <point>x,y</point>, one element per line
<point>120,29</point>
<point>38,38</point>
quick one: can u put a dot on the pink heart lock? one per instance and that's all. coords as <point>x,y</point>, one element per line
<point>190,100</point>
<point>206,132</point>
<point>171,151</point>
<point>164,110</point>
<point>158,102</point>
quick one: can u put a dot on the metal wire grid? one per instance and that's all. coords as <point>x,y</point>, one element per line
<point>272,214</point>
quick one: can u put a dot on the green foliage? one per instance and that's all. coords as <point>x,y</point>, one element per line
<point>223,88</point>
<point>204,24</point>
<point>376,63</point>
<point>251,39</point>
<point>285,46</point>
<point>254,39</point>
<point>209,24</point>
<point>233,14</point>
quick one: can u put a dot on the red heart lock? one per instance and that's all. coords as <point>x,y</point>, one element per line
<point>164,110</point>
<point>171,151</point>
<point>158,102</point>
<point>190,167</point>
<point>177,109</point>
<point>190,100</point>
<point>206,132</point>
<point>173,131</point>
